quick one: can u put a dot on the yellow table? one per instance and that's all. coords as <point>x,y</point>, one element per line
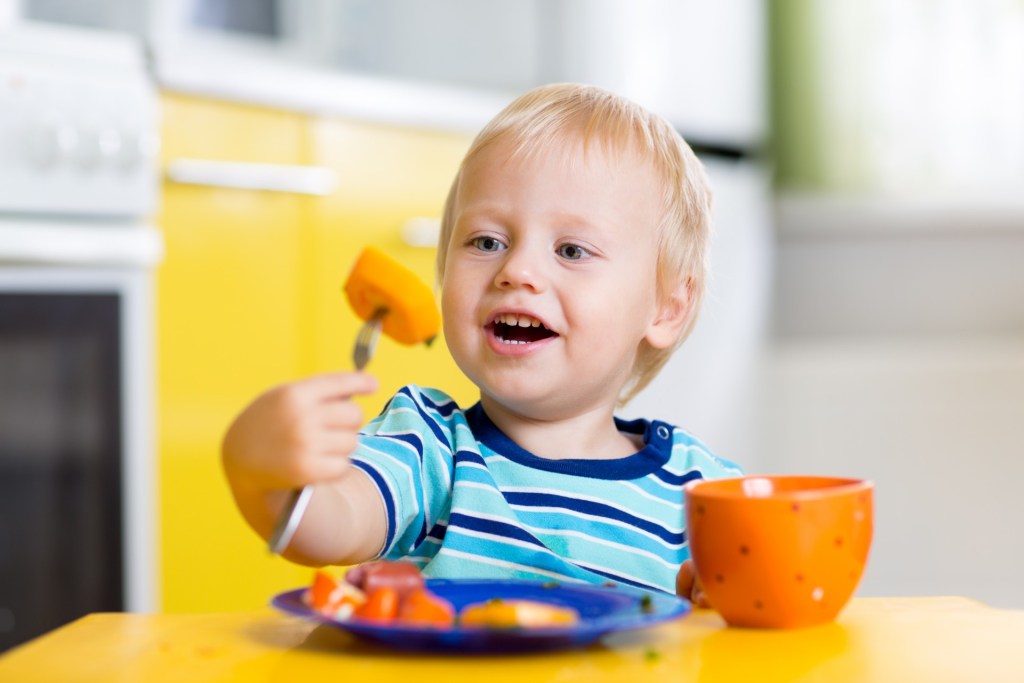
<point>875,639</point>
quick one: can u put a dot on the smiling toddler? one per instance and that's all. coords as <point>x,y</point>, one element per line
<point>572,264</point>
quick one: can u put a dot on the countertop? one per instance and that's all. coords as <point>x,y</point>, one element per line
<point>875,639</point>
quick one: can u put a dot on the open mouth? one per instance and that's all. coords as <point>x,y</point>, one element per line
<point>514,328</point>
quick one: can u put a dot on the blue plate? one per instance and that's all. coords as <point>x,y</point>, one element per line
<point>602,610</point>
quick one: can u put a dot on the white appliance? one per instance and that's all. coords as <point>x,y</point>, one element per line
<point>78,179</point>
<point>200,30</point>
<point>702,66</point>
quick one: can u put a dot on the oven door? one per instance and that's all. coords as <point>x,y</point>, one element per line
<point>77,502</point>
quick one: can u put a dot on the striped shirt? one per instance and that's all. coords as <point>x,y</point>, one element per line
<point>463,500</point>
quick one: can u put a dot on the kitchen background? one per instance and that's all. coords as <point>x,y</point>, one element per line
<point>200,173</point>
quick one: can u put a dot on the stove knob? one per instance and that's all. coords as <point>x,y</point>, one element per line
<point>49,141</point>
<point>128,154</point>
<point>136,149</point>
<point>86,153</point>
<point>110,144</point>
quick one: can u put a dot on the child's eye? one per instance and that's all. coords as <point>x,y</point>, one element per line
<point>572,252</point>
<point>485,243</point>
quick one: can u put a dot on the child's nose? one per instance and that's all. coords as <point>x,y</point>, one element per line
<point>519,270</point>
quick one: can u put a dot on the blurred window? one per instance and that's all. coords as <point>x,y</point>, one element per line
<point>899,96</point>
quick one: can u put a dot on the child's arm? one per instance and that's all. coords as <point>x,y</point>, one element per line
<point>303,433</point>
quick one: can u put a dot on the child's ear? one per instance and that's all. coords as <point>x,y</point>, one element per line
<point>671,316</point>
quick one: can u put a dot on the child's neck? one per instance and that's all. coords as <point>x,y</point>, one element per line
<point>590,435</point>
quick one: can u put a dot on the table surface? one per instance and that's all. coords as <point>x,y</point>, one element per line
<point>875,639</point>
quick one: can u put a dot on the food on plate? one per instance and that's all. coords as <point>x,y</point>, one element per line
<point>423,608</point>
<point>336,599</point>
<point>504,614</point>
<point>382,591</point>
<point>381,605</point>
<point>403,576</point>
<point>395,593</point>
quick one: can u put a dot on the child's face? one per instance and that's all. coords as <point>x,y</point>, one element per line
<point>550,276</point>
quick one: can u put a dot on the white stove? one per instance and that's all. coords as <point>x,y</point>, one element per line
<point>78,186</point>
<point>78,143</point>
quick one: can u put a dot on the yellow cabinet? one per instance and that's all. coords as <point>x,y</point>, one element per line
<point>386,176</point>
<point>249,296</point>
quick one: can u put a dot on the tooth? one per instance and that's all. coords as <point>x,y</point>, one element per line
<point>535,323</point>
<point>524,321</point>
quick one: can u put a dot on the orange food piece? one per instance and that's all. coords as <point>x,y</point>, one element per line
<point>336,599</point>
<point>517,614</point>
<point>421,607</point>
<point>380,605</point>
<point>319,596</point>
<point>377,281</point>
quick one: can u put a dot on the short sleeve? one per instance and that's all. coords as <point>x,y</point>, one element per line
<point>407,452</point>
<point>698,461</point>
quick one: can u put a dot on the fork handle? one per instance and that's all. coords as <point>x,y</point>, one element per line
<point>291,514</point>
<point>288,519</point>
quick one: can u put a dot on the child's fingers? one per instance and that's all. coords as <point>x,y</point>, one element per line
<point>329,462</point>
<point>327,467</point>
<point>338,442</point>
<point>685,579</point>
<point>340,385</point>
<point>343,415</point>
<point>688,585</point>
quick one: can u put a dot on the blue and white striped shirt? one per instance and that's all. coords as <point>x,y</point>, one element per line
<point>463,500</point>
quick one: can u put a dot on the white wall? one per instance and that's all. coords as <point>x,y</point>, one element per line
<point>700,64</point>
<point>898,355</point>
<point>709,387</point>
<point>938,427</point>
<point>883,342</point>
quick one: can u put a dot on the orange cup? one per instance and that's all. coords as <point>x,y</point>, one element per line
<point>779,551</point>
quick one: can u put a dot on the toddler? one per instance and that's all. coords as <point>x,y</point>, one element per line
<point>571,264</point>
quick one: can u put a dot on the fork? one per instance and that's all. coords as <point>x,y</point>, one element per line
<point>291,514</point>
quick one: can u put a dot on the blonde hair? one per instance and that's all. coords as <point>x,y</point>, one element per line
<point>546,116</point>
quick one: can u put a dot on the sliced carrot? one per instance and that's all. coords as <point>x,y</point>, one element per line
<point>324,585</point>
<point>380,605</point>
<point>336,599</point>
<point>423,608</point>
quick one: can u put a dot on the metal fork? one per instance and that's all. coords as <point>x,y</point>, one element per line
<point>291,515</point>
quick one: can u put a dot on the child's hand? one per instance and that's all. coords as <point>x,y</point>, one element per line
<point>304,433</point>
<point>688,585</point>
<point>297,433</point>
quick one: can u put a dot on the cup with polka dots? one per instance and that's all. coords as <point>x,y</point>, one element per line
<point>780,551</point>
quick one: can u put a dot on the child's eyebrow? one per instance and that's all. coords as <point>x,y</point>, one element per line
<point>503,215</point>
<point>487,209</point>
<point>573,219</point>
<point>500,211</point>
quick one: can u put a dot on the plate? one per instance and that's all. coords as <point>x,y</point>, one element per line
<point>602,609</point>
